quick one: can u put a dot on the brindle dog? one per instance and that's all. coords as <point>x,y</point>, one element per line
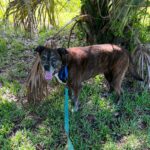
<point>86,62</point>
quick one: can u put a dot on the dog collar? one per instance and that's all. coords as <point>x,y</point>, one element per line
<point>63,74</point>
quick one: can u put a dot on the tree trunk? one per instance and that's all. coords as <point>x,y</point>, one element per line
<point>97,27</point>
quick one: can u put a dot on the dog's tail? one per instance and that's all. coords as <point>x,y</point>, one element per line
<point>133,70</point>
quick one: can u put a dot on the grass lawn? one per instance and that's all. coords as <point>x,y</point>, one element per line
<point>96,126</point>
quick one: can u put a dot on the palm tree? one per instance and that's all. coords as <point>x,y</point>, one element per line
<point>110,18</point>
<point>31,13</point>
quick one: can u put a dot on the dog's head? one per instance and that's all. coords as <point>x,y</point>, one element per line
<point>51,60</point>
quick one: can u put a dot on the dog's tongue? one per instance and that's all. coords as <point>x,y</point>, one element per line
<point>48,75</point>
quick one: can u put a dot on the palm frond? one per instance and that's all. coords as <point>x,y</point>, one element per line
<point>124,12</point>
<point>37,86</point>
<point>142,59</point>
<point>27,13</point>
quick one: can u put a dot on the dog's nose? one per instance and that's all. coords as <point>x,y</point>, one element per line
<point>46,67</point>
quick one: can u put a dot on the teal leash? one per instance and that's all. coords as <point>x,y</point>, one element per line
<point>66,107</point>
<point>63,75</point>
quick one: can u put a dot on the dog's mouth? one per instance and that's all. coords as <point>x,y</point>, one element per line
<point>49,75</point>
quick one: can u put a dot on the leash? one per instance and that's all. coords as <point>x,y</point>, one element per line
<point>63,75</point>
<point>66,107</point>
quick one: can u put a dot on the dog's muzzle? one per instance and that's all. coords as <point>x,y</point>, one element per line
<point>46,67</point>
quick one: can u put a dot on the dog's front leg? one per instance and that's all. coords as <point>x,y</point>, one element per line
<point>71,95</point>
<point>76,92</point>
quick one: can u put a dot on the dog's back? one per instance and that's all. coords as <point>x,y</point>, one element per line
<point>91,60</point>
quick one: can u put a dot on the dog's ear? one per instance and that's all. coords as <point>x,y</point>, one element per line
<point>63,54</point>
<point>39,49</point>
<point>62,51</point>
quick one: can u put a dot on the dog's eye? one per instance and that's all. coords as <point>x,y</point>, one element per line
<point>53,59</point>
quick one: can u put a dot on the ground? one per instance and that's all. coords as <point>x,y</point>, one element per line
<point>41,126</point>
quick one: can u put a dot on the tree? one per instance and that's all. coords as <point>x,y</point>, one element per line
<point>31,13</point>
<point>111,18</point>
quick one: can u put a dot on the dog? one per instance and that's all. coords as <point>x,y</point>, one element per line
<point>86,62</point>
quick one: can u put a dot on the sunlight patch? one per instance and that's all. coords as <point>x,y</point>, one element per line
<point>6,94</point>
<point>110,146</point>
<point>21,141</point>
<point>105,105</point>
<point>130,142</point>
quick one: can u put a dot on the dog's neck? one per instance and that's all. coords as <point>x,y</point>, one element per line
<point>63,53</point>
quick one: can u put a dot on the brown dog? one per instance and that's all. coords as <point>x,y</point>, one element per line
<point>86,62</point>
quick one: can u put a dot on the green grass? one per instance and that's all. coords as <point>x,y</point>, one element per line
<point>95,126</point>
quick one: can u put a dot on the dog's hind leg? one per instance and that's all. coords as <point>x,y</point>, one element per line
<point>109,79</point>
<point>116,83</point>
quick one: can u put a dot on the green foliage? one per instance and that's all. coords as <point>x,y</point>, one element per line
<point>12,86</point>
<point>114,21</point>
<point>3,45</point>
<point>45,34</point>
<point>33,15</point>
<point>66,10</point>
<point>3,48</point>
<point>21,141</point>
<point>18,71</point>
<point>17,45</point>
<point>9,114</point>
<point>2,8</point>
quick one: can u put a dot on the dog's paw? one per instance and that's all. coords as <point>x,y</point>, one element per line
<point>76,107</point>
<point>74,110</point>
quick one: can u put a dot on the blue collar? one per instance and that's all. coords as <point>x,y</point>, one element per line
<point>63,74</point>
